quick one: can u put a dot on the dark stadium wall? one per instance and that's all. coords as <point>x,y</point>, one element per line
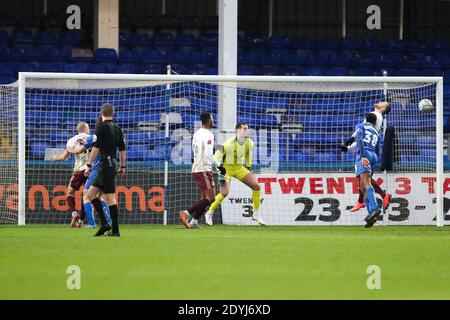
<point>423,19</point>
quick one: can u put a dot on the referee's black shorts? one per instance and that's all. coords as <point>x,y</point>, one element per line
<point>105,179</point>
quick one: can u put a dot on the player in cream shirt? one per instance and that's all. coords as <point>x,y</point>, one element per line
<point>78,178</point>
<point>204,162</point>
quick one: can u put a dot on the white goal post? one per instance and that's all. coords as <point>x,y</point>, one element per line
<point>259,98</point>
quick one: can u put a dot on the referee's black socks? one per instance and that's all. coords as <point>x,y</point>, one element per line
<point>114,212</point>
<point>99,208</point>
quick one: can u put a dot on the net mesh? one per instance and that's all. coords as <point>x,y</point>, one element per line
<point>8,155</point>
<point>297,127</point>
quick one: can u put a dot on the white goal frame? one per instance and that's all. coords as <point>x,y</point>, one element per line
<point>24,76</point>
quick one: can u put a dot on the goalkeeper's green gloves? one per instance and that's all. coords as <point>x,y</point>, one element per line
<point>221,175</point>
<point>222,170</point>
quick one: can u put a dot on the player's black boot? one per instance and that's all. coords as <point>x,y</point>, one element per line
<point>113,234</point>
<point>102,230</point>
<point>372,218</point>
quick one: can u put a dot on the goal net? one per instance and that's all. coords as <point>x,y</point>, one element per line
<point>298,125</point>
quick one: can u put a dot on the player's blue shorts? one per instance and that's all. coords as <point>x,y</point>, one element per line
<point>91,178</point>
<point>373,160</point>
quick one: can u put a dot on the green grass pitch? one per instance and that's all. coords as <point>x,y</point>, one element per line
<point>225,262</point>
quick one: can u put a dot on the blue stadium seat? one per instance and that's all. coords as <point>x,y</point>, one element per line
<point>208,40</point>
<point>336,71</point>
<point>52,67</point>
<point>246,70</point>
<point>372,45</point>
<point>123,40</point>
<point>416,46</point>
<point>269,70</point>
<point>248,58</point>
<point>12,55</point>
<point>180,68</point>
<point>4,37</point>
<point>7,79</point>
<point>386,60</point>
<point>157,138</point>
<point>311,71</point>
<point>46,38</point>
<point>105,55</point>
<point>199,69</point>
<point>140,40</point>
<point>439,46</point>
<point>210,51</point>
<point>178,57</point>
<point>361,62</point>
<point>151,68</point>
<point>157,154</point>
<point>411,61</point>
<point>126,68</point>
<point>431,72</point>
<point>37,149</point>
<point>186,40</point>
<point>7,70</point>
<point>190,120</point>
<point>138,137</point>
<point>302,43</point>
<point>256,41</point>
<point>57,55</point>
<point>325,157</point>
<point>59,136</point>
<point>164,40</point>
<point>269,59</point>
<point>317,60</point>
<point>133,117</point>
<point>197,58</point>
<point>78,67</point>
<point>363,71</point>
<point>394,45</point>
<point>130,56</point>
<point>27,67</point>
<point>432,62</point>
<point>136,152</point>
<point>276,42</point>
<point>340,59</point>
<point>326,43</point>
<point>97,68</point>
<point>204,104</point>
<point>349,44</point>
<point>153,57</point>
<point>258,121</point>
<point>69,39</point>
<point>22,39</point>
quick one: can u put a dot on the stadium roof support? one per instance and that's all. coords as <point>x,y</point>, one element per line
<point>106,24</point>
<point>228,28</point>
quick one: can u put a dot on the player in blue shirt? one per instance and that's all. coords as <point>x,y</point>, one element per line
<point>86,202</point>
<point>367,142</point>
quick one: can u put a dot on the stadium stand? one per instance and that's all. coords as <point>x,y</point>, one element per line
<point>189,45</point>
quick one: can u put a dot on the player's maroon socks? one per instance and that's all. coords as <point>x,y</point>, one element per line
<point>361,197</point>
<point>378,188</point>
<point>99,208</point>
<point>71,202</point>
<point>113,211</point>
<point>81,212</point>
<point>198,208</point>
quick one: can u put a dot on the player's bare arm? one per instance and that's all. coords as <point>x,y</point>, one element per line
<point>62,157</point>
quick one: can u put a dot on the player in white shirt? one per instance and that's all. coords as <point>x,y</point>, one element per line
<point>204,162</point>
<point>78,178</point>
<point>381,108</point>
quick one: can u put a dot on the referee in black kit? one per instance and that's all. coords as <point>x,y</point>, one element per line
<point>109,138</point>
